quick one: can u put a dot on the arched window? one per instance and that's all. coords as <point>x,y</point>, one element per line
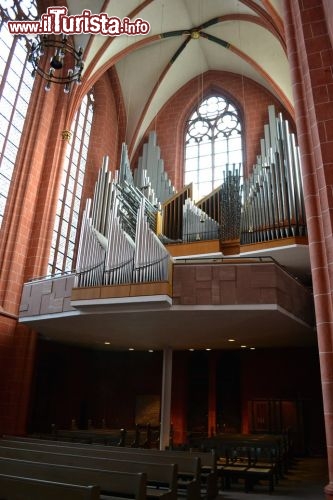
<point>15,90</point>
<point>213,144</point>
<point>67,216</point>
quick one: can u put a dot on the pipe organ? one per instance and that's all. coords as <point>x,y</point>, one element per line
<point>230,204</point>
<point>186,221</point>
<point>151,260</point>
<point>150,175</point>
<point>215,216</point>
<point>197,225</point>
<point>120,252</point>
<point>91,253</point>
<point>211,204</point>
<point>172,227</point>
<point>267,205</point>
<point>273,203</point>
<point>119,243</point>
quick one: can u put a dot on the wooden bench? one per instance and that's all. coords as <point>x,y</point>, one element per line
<point>161,477</point>
<point>189,467</point>
<point>18,488</point>
<point>243,463</point>
<point>111,483</point>
<point>102,436</point>
<point>276,445</point>
<point>262,467</point>
<point>207,474</point>
<point>235,466</point>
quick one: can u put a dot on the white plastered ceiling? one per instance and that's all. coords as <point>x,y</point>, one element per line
<point>148,78</point>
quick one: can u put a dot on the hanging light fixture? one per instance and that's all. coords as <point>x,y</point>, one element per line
<point>66,64</point>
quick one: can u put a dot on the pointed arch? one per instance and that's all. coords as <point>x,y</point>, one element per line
<point>213,143</point>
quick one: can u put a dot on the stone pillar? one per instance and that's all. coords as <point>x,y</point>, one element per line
<point>310,55</point>
<point>166,398</point>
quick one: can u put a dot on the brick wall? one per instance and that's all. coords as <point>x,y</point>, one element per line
<point>106,130</point>
<point>17,354</point>
<point>251,98</point>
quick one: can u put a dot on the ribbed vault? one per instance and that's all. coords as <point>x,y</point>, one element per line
<point>187,38</point>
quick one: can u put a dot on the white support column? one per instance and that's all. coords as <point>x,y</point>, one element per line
<point>166,398</point>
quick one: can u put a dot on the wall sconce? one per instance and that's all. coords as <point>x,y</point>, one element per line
<point>66,64</point>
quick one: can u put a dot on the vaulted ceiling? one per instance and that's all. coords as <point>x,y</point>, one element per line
<point>186,39</point>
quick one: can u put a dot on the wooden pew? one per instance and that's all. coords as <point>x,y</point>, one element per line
<point>102,436</point>
<point>257,446</point>
<point>208,472</point>
<point>275,445</point>
<point>188,463</point>
<point>243,463</point>
<point>17,488</point>
<point>189,467</point>
<point>235,466</point>
<point>115,485</point>
<point>161,477</point>
<point>208,462</point>
<point>262,467</point>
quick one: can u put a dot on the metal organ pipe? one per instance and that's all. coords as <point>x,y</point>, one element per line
<point>150,175</point>
<point>117,240</point>
<point>151,260</point>
<point>91,254</point>
<point>197,225</point>
<point>273,203</point>
<point>120,253</point>
<point>230,204</point>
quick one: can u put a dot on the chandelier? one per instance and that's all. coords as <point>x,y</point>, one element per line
<point>66,64</point>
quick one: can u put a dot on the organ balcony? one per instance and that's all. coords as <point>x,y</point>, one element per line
<point>155,269</point>
<point>204,303</point>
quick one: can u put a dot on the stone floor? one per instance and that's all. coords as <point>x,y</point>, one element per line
<point>305,480</point>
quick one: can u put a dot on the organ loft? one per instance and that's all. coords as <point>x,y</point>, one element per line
<point>166,229</point>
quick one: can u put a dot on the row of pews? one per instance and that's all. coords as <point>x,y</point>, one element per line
<point>113,472</point>
<point>250,458</point>
<point>141,436</point>
<point>133,474</point>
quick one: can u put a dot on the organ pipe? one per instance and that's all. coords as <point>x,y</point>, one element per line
<point>120,252</point>
<point>172,227</point>
<point>197,225</point>
<point>117,242</point>
<point>210,204</point>
<point>273,202</point>
<point>151,260</point>
<point>150,176</point>
<point>91,254</point>
<point>230,204</point>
